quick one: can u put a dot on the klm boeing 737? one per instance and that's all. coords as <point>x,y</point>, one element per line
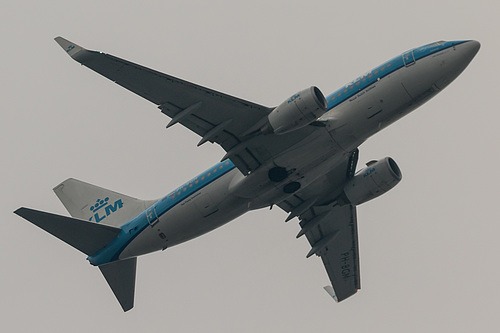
<point>300,156</point>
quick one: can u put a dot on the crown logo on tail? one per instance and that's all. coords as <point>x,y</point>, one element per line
<point>109,208</point>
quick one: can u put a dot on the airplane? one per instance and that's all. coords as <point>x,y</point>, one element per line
<point>300,156</point>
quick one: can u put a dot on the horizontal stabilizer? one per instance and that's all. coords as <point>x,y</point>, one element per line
<point>84,236</point>
<point>120,276</point>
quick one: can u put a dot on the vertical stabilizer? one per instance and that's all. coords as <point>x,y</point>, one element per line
<point>96,204</point>
<point>120,276</point>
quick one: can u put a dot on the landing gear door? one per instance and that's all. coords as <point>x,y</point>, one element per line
<point>408,58</point>
<point>151,215</point>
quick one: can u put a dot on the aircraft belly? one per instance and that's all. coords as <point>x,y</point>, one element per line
<point>306,176</point>
<point>204,211</point>
<point>146,242</point>
<point>304,162</point>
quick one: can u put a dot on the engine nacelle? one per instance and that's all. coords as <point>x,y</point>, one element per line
<point>298,111</point>
<point>374,180</point>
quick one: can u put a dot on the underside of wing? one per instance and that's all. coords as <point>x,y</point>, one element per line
<point>340,255</point>
<point>215,116</point>
<point>330,226</point>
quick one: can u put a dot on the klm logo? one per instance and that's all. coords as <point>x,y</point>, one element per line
<point>368,172</point>
<point>109,208</point>
<point>293,98</point>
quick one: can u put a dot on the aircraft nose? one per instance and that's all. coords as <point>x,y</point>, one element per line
<point>457,61</point>
<point>469,50</point>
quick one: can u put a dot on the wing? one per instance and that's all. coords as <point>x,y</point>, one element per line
<point>215,116</point>
<point>330,226</point>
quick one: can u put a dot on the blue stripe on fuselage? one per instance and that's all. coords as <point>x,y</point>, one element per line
<point>388,67</point>
<point>134,227</point>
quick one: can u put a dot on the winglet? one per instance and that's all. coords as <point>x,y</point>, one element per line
<point>331,292</point>
<point>71,48</point>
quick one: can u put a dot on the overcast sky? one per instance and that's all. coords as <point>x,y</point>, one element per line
<point>429,248</point>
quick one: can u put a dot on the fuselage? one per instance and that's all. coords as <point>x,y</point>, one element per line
<point>356,111</point>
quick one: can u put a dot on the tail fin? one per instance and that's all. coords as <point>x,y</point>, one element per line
<point>96,204</point>
<point>90,238</point>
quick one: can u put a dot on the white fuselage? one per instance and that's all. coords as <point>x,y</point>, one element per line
<point>349,123</point>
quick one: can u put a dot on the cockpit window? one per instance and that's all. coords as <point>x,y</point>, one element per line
<point>441,42</point>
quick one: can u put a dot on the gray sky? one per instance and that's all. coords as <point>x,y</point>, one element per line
<point>429,248</point>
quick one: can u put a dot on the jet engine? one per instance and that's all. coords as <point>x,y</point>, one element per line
<point>298,111</point>
<point>374,180</point>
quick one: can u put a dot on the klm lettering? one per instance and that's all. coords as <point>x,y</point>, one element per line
<point>109,208</point>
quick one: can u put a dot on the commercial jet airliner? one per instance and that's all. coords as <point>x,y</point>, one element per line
<point>300,156</point>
